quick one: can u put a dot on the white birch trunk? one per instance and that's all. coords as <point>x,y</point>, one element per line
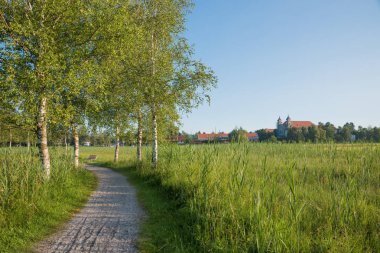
<point>154,113</point>
<point>139,137</point>
<point>28,142</point>
<point>116,158</point>
<point>42,140</point>
<point>154,138</point>
<point>76,146</point>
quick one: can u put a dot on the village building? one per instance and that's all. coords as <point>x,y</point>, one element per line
<point>252,136</point>
<point>283,127</point>
<point>202,138</point>
<point>220,137</point>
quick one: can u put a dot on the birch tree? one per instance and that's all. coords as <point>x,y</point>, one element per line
<point>175,81</point>
<point>32,35</point>
<point>38,38</point>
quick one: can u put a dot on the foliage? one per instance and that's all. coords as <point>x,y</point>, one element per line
<point>328,133</point>
<point>265,135</point>
<point>98,64</point>
<point>238,135</point>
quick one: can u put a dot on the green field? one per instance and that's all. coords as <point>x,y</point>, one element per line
<point>32,207</point>
<point>260,197</point>
<point>212,198</point>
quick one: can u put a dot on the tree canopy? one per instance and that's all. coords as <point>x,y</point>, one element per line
<point>97,65</point>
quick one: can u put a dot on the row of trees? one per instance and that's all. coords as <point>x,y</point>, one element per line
<point>326,133</point>
<point>113,65</point>
<point>16,137</point>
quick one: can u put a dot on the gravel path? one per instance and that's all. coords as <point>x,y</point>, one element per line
<point>109,222</point>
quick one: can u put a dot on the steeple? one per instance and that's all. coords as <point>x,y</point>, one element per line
<point>279,122</point>
<point>288,122</point>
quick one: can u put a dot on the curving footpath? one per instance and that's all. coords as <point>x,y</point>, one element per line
<point>109,222</point>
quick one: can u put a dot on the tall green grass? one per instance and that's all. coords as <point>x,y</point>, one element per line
<point>30,206</point>
<point>273,197</point>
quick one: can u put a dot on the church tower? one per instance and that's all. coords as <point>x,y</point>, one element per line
<point>280,128</point>
<point>279,122</point>
<point>288,122</point>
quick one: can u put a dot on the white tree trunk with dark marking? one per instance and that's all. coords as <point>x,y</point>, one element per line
<point>76,146</point>
<point>154,138</point>
<point>42,140</point>
<point>154,112</point>
<point>28,142</point>
<point>139,136</point>
<point>116,158</point>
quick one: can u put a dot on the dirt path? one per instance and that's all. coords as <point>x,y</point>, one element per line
<point>109,222</point>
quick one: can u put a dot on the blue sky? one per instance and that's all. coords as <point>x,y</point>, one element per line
<point>316,60</point>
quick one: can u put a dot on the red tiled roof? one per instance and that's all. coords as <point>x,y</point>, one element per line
<point>299,124</point>
<point>252,135</point>
<point>211,136</point>
<point>269,130</point>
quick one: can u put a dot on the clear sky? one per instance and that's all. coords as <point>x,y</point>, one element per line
<point>316,60</point>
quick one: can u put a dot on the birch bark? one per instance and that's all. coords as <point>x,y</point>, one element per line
<point>42,140</point>
<point>154,138</point>
<point>28,142</point>
<point>116,158</point>
<point>139,136</point>
<point>76,146</point>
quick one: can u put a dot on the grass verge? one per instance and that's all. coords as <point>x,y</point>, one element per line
<point>32,208</point>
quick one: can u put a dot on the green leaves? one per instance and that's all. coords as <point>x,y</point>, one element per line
<point>99,61</point>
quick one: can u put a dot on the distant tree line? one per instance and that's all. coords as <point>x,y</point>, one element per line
<point>325,132</point>
<point>236,135</point>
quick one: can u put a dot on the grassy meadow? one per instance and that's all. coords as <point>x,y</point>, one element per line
<point>30,206</point>
<point>258,197</point>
